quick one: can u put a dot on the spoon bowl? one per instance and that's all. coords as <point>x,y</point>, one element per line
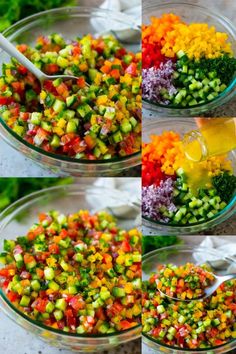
<point>9,48</point>
<point>208,291</point>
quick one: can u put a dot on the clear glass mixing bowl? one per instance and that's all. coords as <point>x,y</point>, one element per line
<point>71,22</point>
<point>183,126</point>
<point>179,255</point>
<point>192,13</point>
<point>17,219</point>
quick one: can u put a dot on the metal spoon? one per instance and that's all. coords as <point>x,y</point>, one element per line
<point>9,48</point>
<point>219,279</point>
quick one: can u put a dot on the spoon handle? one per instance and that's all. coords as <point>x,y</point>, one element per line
<point>229,276</point>
<point>9,48</point>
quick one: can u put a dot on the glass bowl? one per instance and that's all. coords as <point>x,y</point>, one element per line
<point>183,126</point>
<point>16,220</point>
<point>192,13</point>
<point>179,255</point>
<point>71,22</point>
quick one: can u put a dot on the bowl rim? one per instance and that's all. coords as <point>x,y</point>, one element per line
<point>222,212</point>
<point>70,187</point>
<point>188,248</point>
<point>70,10</point>
<point>218,17</point>
<point>83,187</point>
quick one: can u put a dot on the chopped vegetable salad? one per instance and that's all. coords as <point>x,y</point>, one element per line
<point>78,273</point>
<point>96,122</point>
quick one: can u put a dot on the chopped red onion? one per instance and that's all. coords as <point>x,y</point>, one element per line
<point>154,198</point>
<point>154,80</point>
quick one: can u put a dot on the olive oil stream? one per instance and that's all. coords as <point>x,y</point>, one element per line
<point>216,137</point>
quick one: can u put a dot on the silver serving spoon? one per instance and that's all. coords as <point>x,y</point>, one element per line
<point>9,48</point>
<point>219,279</point>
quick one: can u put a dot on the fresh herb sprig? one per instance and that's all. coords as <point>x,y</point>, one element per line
<point>225,184</point>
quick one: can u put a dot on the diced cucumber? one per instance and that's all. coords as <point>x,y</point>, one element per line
<point>55,142</point>
<point>36,118</point>
<point>71,100</point>
<point>25,300</point>
<point>58,106</point>
<point>118,292</point>
<point>84,109</point>
<point>61,304</point>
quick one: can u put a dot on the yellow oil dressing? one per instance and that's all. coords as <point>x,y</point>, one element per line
<point>216,137</point>
<point>197,175</point>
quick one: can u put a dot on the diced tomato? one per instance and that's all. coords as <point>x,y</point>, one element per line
<point>115,73</point>
<point>24,116</point>
<point>107,258</point>
<point>40,305</point>
<point>106,69</point>
<point>22,70</point>
<point>28,258</point>
<point>42,134</point>
<point>115,309</point>
<point>5,100</point>
<point>219,342</point>
<point>81,82</point>
<point>121,52</point>
<point>18,87</point>
<point>100,314</point>
<point>54,248</point>
<point>51,68</point>
<point>76,50</point>
<point>12,296</point>
<point>132,69</point>
<point>44,216</point>
<point>126,247</point>
<point>65,139</point>
<point>63,233</point>
<point>77,303</point>
<point>4,273</point>
<point>39,272</point>
<point>22,47</point>
<point>48,86</point>
<point>126,324</point>
<point>156,331</point>
<point>38,230</point>
<point>62,90</point>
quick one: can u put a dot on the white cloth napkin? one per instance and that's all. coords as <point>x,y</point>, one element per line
<point>224,247</point>
<point>130,188</point>
<point>131,8</point>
